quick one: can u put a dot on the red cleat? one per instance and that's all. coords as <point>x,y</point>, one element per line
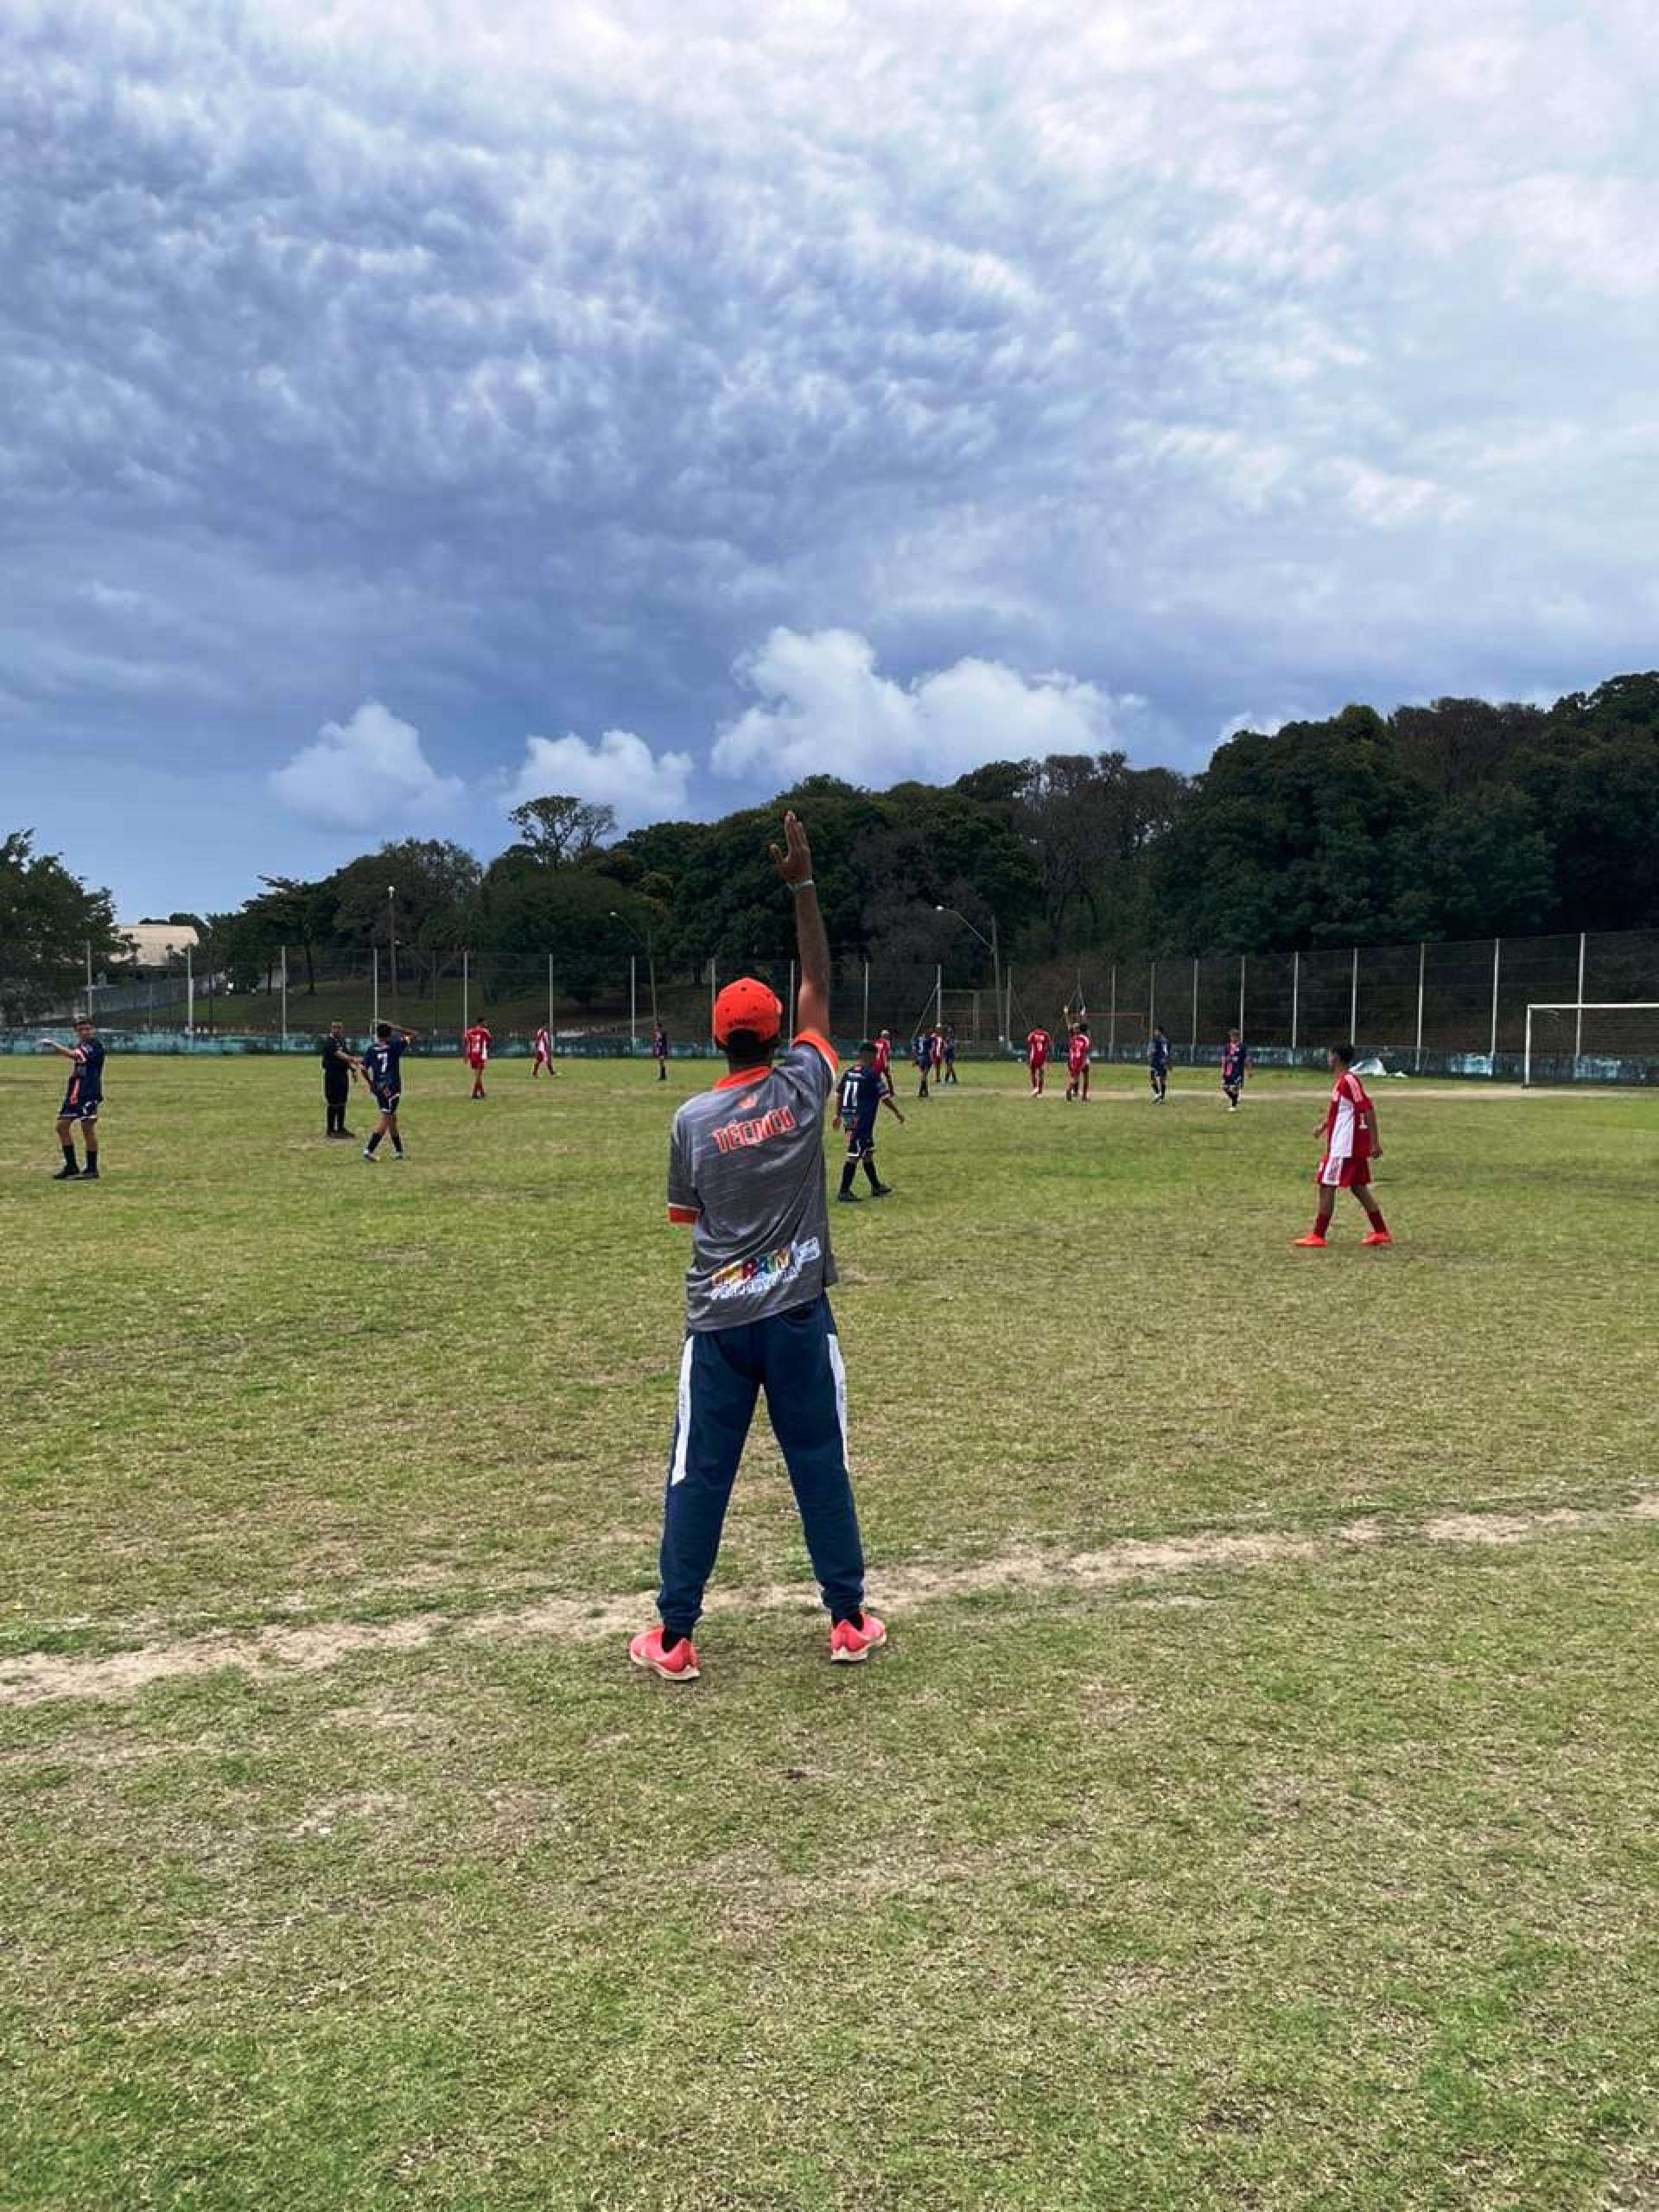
<point>679,1665</point>
<point>1377,1236</point>
<point>848,1644</point>
<point>1311,1243</point>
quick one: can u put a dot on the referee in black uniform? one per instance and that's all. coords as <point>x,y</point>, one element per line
<point>337,1066</point>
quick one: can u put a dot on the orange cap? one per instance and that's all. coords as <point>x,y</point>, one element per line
<point>750,1005</point>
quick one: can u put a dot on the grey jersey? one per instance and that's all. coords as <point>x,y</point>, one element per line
<point>746,1169</point>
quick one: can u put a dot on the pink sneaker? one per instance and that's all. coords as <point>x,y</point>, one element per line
<point>848,1644</point>
<point>679,1665</point>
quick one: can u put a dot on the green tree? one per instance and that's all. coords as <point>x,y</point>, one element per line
<point>424,889</point>
<point>1593,773</point>
<point>1308,837</point>
<point>529,911</point>
<point>1484,867</point>
<point>298,913</point>
<point>1456,745</point>
<point>50,922</point>
<point>560,828</point>
<point>1094,823</point>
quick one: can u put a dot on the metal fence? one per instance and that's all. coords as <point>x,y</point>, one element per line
<point>1461,1008</point>
<point>1413,1000</point>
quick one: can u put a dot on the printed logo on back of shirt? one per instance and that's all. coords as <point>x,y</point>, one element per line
<point>770,1268</point>
<point>736,1136</point>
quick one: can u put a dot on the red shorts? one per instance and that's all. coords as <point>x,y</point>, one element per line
<point>477,1061</point>
<point>1343,1174</point>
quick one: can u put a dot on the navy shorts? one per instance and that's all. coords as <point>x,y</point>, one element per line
<point>387,1100</point>
<point>73,1109</point>
<point>861,1139</point>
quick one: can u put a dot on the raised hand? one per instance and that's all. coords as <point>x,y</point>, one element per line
<point>793,861</point>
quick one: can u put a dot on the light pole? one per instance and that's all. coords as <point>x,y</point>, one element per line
<point>392,935</point>
<point>648,941</point>
<point>995,950</point>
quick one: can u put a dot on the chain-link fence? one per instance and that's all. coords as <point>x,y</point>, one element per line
<point>1462,1008</point>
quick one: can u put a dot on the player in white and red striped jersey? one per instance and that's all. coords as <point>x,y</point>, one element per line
<point>475,1042</point>
<point>1352,1144</point>
<point>542,1052</point>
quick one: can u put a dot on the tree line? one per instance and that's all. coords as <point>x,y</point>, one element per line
<point>1457,819</point>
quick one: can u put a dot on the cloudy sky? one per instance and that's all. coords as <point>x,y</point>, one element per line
<point>404,409</point>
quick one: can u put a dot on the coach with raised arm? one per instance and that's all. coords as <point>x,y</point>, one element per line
<point>745,1176</point>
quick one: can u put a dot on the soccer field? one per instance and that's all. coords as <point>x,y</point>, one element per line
<point>1257,1806</point>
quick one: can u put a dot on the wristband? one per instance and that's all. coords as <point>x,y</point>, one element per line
<point>808,884</point>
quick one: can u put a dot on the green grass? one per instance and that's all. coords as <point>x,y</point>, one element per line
<point>1257,1807</point>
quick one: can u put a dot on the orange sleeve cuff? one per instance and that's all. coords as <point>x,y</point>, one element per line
<point>819,1045</point>
<point>684,1215</point>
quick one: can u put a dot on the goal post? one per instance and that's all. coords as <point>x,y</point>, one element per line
<point>1562,1032</point>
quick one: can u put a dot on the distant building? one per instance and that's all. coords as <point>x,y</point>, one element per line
<point>153,945</point>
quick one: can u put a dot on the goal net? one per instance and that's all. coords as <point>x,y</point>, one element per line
<point>1606,1038</point>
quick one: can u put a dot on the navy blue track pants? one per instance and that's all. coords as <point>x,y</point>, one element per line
<point>794,1358</point>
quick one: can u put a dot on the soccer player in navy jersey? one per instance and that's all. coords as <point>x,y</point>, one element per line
<point>1235,1066</point>
<point>382,1069</point>
<point>82,1098</point>
<point>1158,1066</point>
<point>746,1174</point>
<point>922,1053</point>
<point>864,1091</point>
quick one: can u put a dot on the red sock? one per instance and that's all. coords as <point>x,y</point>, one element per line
<point>1321,1222</point>
<point>1378,1223</point>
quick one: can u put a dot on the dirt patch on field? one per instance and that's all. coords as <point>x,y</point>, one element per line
<point>1501,1527</point>
<point>269,1654</point>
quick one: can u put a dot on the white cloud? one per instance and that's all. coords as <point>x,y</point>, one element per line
<point>1259,725</point>
<point>824,708</point>
<point>1389,501</point>
<point>369,772</point>
<point>1203,349</point>
<point>617,770</point>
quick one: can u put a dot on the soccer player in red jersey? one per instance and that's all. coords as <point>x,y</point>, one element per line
<point>542,1050</point>
<point>884,1056</point>
<point>1037,1051</point>
<point>1076,1061</point>
<point>1352,1144</point>
<point>475,1042</point>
